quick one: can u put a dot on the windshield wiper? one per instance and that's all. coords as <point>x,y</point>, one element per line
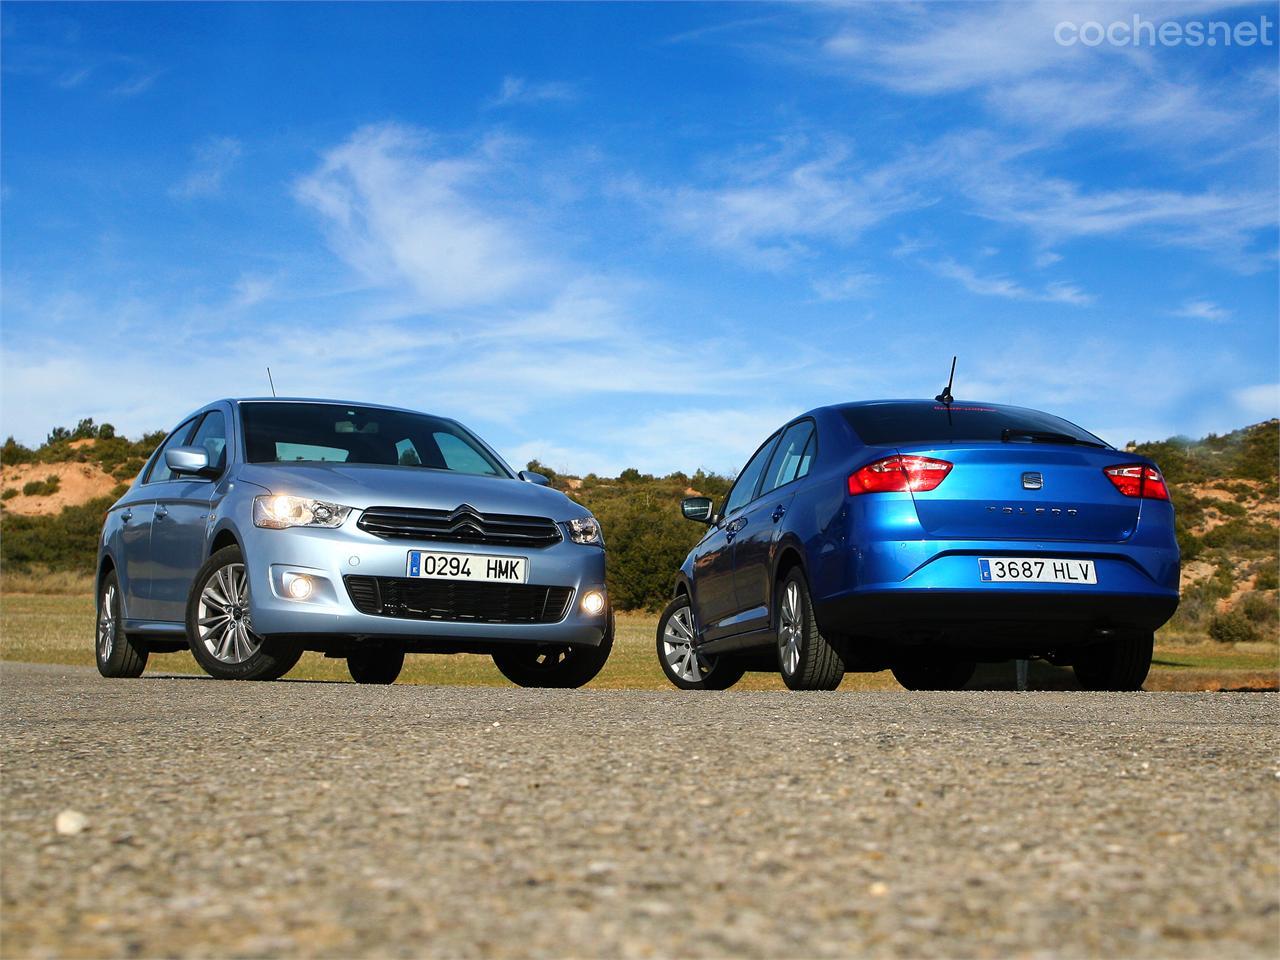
<point>1047,436</point>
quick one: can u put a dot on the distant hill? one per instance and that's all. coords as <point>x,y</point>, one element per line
<point>1226,490</point>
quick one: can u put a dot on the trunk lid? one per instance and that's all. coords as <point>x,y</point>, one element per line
<point>992,493</point>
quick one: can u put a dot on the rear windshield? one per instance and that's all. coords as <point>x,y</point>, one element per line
<point>333,433</point>
<point>923,422</point>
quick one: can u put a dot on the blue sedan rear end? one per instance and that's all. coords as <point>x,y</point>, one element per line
<point>926,536</point>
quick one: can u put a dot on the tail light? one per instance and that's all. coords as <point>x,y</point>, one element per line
<point>1138,480</point>
<point>899,474</point>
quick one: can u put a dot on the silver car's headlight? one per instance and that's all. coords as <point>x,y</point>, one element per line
<point>279,512</point>
<point>586,530</point>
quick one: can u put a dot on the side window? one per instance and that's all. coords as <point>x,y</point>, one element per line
<point>159,470</point>
<point>459,455</point>
<point>789,456</point>
<point>212,436</point>
<point>745,488</point>
<point>806,459</point>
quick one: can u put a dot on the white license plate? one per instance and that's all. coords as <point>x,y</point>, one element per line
<point>1036,570</point>
<point>434,565</point>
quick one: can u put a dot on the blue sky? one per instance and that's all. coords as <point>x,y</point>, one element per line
<point>635,235</point>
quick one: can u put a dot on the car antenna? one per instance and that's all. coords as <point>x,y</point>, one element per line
<point>945,396</point>
<point>271,381</point>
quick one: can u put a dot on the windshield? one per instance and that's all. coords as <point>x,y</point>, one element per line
<point>333,433</point>
<point>919,421</point>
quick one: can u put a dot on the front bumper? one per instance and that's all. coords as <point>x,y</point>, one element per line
<point>326,556</point>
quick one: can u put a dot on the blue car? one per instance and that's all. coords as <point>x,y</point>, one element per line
<point>925,536</point>
<point>262,528</point>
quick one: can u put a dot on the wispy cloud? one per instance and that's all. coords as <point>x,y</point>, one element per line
<point>214,159</point>
<point>1261,400</point>
<point>1003,286</point>
<point>848,285</point>
<point>772,206</point>
<point>518,90</point>
<point>402,208</point>
<point>1203,310</point>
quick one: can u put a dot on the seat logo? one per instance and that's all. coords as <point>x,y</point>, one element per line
<point>1032,480</point>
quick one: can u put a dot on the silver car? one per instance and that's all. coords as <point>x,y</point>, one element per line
<point>262,528</point>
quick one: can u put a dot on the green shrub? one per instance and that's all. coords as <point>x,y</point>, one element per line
<point>1260,608</point>
<point>1232,627</point>
<point>10,493</point>
<point>62,541</point>
<point>1240,534</point>
<point>42,488</point>
<point>1268,577</point>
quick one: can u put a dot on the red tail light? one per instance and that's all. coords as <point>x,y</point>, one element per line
<point>899,474</point>
<point>1138,480</point>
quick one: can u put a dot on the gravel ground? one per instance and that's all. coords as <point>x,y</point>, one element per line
<point>242,819</point>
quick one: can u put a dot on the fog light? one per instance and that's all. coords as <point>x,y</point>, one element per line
<point>592,602</point>
<point>299,587</point>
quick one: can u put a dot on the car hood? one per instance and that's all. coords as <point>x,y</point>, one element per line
<point>369,485</point>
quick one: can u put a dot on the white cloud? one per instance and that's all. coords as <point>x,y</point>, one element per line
<point>1261,401</point>
<point>849,285</point>
<point>214,159</point>
<point>771,208</point>
<point>1203,310</point>
<point>401,210</point>
<point>1002,286</point>
<point>518,90</point>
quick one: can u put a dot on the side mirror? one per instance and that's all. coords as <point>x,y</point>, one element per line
<point>528,476</point>
<point>701,509</point>
<point>193,461</point>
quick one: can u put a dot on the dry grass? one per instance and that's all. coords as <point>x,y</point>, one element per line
<point>56,626</point>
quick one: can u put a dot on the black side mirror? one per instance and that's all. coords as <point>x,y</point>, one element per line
<point>528,476</point>
<point>700,509</point>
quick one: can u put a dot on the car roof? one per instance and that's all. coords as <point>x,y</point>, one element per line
<point>331,402</point>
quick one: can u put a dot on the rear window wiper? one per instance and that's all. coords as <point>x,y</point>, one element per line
<point>1046,436</point>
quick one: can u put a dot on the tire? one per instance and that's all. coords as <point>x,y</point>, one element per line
<point>117,654</point>
<point>681,664</point>
<point>806,659</point>
<point>546,665</point>
<point>1120,665</point>
<point>934,674</point>
<point>225,644</point>
<point>376,666</point>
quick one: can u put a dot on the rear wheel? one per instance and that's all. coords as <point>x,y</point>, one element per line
<point>933,674</point>
<point>805,657</point>
<point>220,627</point>
<point>117,654</point>
<point>548,665</point>
<point>681,662</point>
<point>1119,665</point>
<point>376,666</point>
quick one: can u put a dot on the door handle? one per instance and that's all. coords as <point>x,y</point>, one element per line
<point>162,512</point>
<point>127,516</point>
<point>778,512</point>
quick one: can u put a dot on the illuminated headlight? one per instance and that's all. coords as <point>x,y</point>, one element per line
<point>586,530</point>
<point>280,512</point>
<point>592,603</point>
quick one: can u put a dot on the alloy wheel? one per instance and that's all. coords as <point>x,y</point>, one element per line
<point>226,629</point>
<point>107,623</point>
<point>790,629</point>
<point>677,648</point>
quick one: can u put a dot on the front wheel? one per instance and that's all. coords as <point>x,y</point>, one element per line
<point>805,657</point>
<point>117,655</point>
<point>220,627</point>
<point>1119,665</point>
<point>555,665</point>
<point>682,664</point>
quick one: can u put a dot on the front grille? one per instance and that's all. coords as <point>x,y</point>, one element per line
<point>460,601</point>
<point>463,525</point>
